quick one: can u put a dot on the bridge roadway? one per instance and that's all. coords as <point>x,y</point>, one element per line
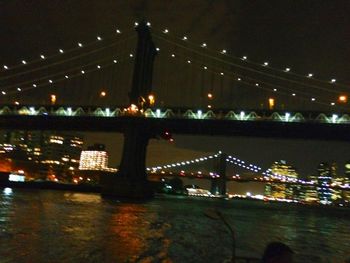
<point>257,123</point>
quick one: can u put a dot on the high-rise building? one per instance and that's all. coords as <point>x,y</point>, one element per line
<point>60,154</point>
<point>324,181</point>
<point>282,190</point>
<point>95,158</point>
<point>309,191</point>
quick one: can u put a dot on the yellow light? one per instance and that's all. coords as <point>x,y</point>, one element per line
<point>151,99</point>
<point>210,96</point>
<point>103,94</point>
<point>271,103</point>
<point>53,99</point>
<point>343,98</point>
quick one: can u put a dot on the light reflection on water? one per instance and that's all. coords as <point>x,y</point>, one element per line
<point>54,226</point>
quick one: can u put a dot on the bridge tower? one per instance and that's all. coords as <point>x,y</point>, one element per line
<point>218,184</point>
<point>131,178</point>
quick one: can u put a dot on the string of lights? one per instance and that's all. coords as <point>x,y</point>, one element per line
<point>66,73</point>
<point>61,51</point>
<point>266,64</point>
<point>249,69</point>
<point>82,72</point>
<point>184,163</point>
<point>255,83</point>
<point>66,60</point>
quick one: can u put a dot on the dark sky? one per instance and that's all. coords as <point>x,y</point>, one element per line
<point>308,36</point>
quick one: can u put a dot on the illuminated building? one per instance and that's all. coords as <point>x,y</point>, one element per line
<point>281,190</point>
<point>324,181</point>
<point>60,154</point>
<point>95,158</point>
<point>309,192</point>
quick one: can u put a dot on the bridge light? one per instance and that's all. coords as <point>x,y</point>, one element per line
<point>204,45</point>
<point>221,73</point>
<point>332,103</point>
<point>3,92</point>
<point>343,99</point>
<point>184,38</point>
<point>61,51</point>
<point>151,99</point>
<point>5,67</point>
<point>333,80</point>
<point>242,115</point>
<point>66,76</point>
<point>287,70</point>
<point>199,114</point>
<point>53,99</point>
<point>136,24</point>
<point>24,62</point>
<point>173,55</point>
<point>274,90</point>
<point>98,66</point>
<point>69,110</point>
<point>82,72</point>
<point>118,31</point>
<point>99,38</point>
<point>115,61</point>
<point>157,48</point>
<point>239,79</point>
<point>103,94</point>
<point>293,94</point>
<point>210,96</point>
<point>42,56</point>
<point>108,112</point>
<point>189,61</point>
<point>165,31</point>
<point>271,103</point>
<point>19,89</point>
<point>266,64</point>
<point>310,75</point>
<point>148,24</point>
<point>244,58</point>
<point>209,106</point>
<point>334,118</point>
<point>286,117</point>
<point>158,113</point>
<point>223,51</point>
<point>313,99</point>
<point>16,103</point>
<point>80,44</point>
<point>205,67</point>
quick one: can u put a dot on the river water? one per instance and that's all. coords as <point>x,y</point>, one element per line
<point>54,226</point>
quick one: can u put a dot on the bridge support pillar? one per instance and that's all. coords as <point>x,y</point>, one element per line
<point>131,178</point>
<point>218,184</point>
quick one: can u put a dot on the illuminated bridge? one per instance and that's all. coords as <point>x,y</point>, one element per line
<point>166,83</point>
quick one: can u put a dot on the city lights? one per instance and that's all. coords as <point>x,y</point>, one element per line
<point>343,99</point>
<point>271,103</point>
<point>53,99</point>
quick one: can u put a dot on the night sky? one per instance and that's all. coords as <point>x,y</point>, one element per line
<point>308,36</point>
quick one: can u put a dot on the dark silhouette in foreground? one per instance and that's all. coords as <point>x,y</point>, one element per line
<point>277,252</point>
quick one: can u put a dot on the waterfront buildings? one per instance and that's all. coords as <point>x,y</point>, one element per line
<point>283,190</point>
<point>43,154</point>
<point>95,158</point>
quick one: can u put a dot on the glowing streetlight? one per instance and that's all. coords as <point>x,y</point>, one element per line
<point>103,94</point>
<point>53,99</point>
<point>343,99</point>
<point>151,99</point>
<point>271,103</point>
<point>210,96</point>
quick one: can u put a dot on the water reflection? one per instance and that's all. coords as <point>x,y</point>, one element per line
<point>53,226</point>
